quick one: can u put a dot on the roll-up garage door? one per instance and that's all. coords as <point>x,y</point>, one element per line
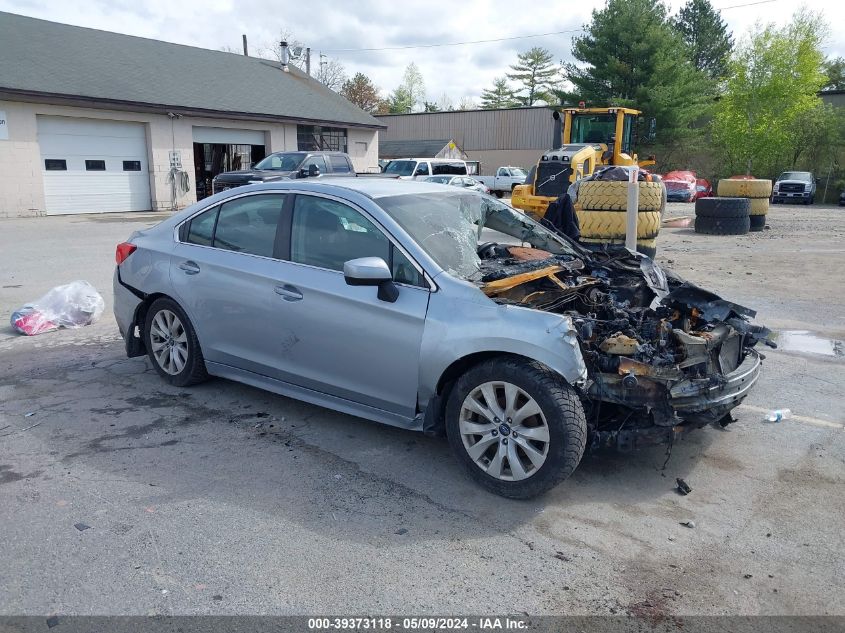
<point>93,165</point>
<point>227,136</point>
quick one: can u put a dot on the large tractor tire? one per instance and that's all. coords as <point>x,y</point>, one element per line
<point>758,206</point>
<point>613,224</point>
<point>722,207</point>
<point>756,188</point>
<point>612,195</point>
<point>722,226</point>
<point>646,247</point>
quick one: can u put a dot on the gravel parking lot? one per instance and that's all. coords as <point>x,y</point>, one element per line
<point>122,495</point>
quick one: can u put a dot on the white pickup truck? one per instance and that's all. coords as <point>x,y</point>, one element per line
<point>504,181</point>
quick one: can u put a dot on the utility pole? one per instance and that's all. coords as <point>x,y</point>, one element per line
<point>323,63</point>
<point>246,52</point>
<point>308,61</point>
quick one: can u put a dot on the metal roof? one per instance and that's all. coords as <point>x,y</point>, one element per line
<point>41,59</point>
<point>417,148</point>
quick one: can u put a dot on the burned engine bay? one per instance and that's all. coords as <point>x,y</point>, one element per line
<point>662,354</point>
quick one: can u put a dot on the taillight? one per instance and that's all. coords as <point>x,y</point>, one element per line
<point>124,250</point>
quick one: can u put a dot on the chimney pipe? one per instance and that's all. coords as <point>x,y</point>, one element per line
<point>308,61</point>
<point>246,52</point>
<point>285,56</point>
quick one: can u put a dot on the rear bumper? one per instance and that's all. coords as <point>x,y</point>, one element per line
<point>126,305</point>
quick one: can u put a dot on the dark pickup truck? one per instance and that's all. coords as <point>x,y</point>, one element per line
<point>286,166</point>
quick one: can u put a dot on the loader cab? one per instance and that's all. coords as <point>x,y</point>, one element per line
<point>612,127</point>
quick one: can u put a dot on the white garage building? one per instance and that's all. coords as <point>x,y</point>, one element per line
<point>92,121</point>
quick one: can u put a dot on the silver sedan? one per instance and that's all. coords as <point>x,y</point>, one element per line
<point>373,297</point>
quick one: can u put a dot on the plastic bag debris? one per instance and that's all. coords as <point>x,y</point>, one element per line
<point>72,305</point>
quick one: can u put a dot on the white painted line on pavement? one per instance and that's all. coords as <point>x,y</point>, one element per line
<point>798,418</point>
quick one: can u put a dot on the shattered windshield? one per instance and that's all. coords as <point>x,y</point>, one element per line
<point>447,226</point>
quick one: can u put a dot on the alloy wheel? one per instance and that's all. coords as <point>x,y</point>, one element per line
<point>504,431</point>
<point>169,342</point>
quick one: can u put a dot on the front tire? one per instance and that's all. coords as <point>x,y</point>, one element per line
<point>516,427</point>
<point>172,344</point>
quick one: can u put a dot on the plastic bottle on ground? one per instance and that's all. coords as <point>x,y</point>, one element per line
<point>778,415</point>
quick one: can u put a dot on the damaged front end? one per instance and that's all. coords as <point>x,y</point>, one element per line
<point>662,355</point>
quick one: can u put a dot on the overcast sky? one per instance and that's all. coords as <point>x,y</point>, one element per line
<point>456,71</point>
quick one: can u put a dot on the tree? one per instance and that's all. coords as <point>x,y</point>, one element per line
<point>536,74</point>
<point>331,73</point>
<point>834,69</point>
<point>706,36</point>
<point>400,101</point>
<point>466,103</point>
<point>430,106</point>
<point>499,96</point>
<point>629,56</point>
<point>362,92</point>
<point>772,89</point>
<point>444,103</point>
<point>413,85</point>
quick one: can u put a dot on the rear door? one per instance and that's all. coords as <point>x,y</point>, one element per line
<point>225,275</point>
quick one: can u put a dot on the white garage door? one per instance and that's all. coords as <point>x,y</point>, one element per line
<point>93,165</point>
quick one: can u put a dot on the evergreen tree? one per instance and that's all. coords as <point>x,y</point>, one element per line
<point>630,55</point>
<point>537,74</point>
<point>708,40</point>
<point>835,71</point>
<point>499,96</point>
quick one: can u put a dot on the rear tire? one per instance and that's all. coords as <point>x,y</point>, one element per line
<point>723,226</point>
<point>722,207</point>
<point>498,193</point>
<point>516,427</point>
<point>172,344</point>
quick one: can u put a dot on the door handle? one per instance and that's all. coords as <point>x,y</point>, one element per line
<point>190,268</point>
<point>288,292</point>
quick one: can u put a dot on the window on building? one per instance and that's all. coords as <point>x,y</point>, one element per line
<point>55,164</point>
<point>131,165</point>
<point>95,165</point>
<point>312,138</point>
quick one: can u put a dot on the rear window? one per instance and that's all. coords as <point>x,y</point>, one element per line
<point>339,164</point>
<point>455,169</point>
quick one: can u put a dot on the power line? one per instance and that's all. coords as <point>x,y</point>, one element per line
<point>498,39</point>
<point>748,4</point>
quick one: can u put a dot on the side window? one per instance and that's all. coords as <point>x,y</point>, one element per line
<point>326,234</point>
<point>339,164</point>
<point>422,169</point>
<point>316,160</point>
<point>404,271</point>
<point>248,225</point>
<point>502,172</point>
<point>201,228</point>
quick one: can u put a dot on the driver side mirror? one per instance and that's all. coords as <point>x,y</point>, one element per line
<point>371,271</point>
<point>312,172</point>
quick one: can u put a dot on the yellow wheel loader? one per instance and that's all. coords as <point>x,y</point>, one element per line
<point>583,140</point>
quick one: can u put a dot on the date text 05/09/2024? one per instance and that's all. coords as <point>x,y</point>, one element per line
<point>416,623</point>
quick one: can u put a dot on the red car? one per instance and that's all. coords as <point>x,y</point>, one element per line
<point>684,186</point>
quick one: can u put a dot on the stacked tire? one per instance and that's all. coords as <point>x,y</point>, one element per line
<point>602,213</point>
<point>757,192</point>
<point>722,216</point>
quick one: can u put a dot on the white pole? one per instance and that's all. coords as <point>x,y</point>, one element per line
<point>633,209</point>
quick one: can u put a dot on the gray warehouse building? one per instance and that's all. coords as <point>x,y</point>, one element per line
<point>510,136</point>
<point>92,121</point>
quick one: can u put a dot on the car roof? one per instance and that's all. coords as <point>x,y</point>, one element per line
<point>376,187</point>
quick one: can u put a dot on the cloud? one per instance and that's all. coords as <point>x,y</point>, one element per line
<point>458,71</point>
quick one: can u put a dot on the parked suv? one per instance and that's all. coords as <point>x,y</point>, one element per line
<point>284,166</point>
<point>798,186</point>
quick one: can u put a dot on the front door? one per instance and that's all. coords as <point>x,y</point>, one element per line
<point>344,341</point>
